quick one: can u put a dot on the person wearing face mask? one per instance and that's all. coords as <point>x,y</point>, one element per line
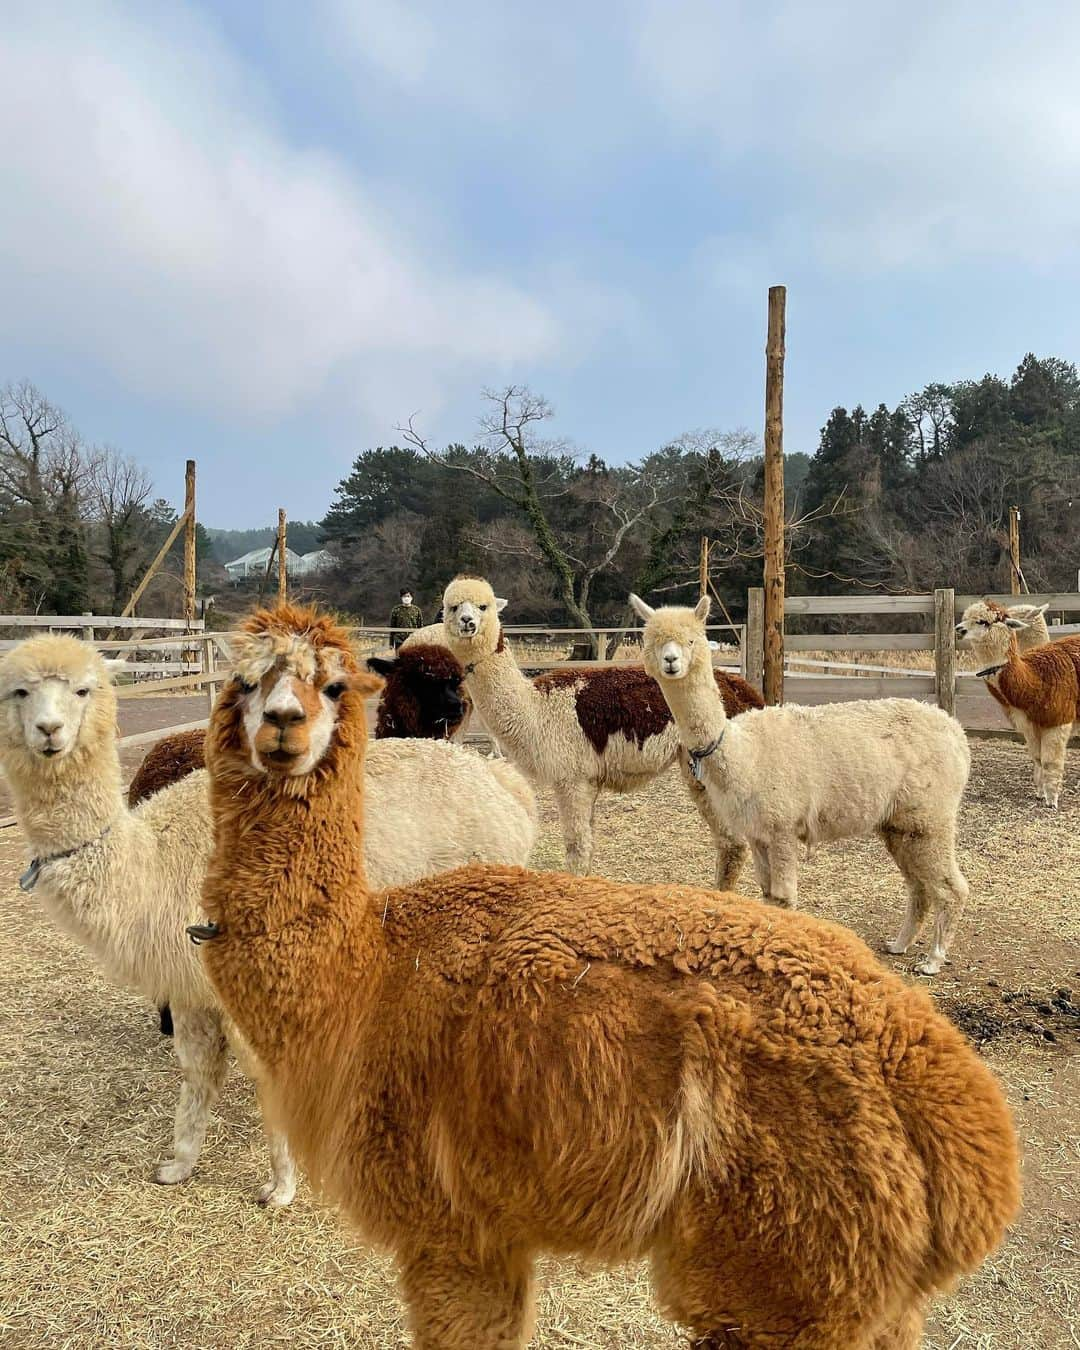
<point>405,617</point>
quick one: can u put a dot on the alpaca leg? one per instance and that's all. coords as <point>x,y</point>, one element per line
<point>926,855</point>
<point>905,1333</point>
<point>200,1047</point>
<point>761,868</point>
<point>730,853</point>
<point>918,906</point>
<point>576,803</point>
<point>949,892</point>
<point>783,873</point>
<point>279,1191</point>
<point>459,1301</point>
<point>1055,743</point>
<point>1033,742</point>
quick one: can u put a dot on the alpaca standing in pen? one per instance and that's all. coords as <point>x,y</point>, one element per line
<point>791,777</point>
<point>1039,688</point>
<point>494,1063</point>
<point>125,883</point>
<point>578,731</point>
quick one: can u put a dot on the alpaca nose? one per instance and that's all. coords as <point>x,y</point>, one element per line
<point>48,728</point>
<point>285,717</point>
<point>468,625</point>
<point>961,631</point>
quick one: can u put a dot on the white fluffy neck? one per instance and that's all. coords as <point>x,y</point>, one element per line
<point>506,699</point>
<point>63,803</point>
<point>697,706</point>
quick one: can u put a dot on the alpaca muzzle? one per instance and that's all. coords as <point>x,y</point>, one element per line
<point>202,932</point>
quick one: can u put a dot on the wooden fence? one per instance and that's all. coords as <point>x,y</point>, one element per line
<point>941,609</point>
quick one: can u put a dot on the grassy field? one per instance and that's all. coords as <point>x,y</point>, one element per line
<point>93,1254</point>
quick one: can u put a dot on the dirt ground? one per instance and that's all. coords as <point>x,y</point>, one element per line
<point>93,1254</point>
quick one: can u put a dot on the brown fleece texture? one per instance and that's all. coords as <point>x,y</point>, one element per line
<point>406,707</point>
<point>1043,683</point>
<point>628,700</point>
<point>166,762</point>
<point>496,1062</point>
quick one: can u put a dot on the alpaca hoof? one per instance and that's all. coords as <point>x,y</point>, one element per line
<point>895,947</point>
<point>929,965</point>
<point>171,1172</point>
<point>275,1195</point>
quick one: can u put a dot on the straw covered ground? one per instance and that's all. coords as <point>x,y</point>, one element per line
<point>93,1254</point>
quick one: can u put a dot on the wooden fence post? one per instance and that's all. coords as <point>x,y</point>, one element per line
<point>189,542</point>
<point>775,552</point>
<point>754,636</point>
<point>282,570</point>
<point>209,666</point>
<point>945,649</point>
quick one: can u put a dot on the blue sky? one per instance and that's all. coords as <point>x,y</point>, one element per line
<point>263,235</point>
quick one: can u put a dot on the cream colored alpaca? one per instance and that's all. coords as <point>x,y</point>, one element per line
<point>577,732</point>
<point>789,777</point>
<point>125,884</point>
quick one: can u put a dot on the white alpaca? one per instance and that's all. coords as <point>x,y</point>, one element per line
<point>1039,689</point>
<point>577,731</point>
<point>125,884</point>
<point>785,778</point>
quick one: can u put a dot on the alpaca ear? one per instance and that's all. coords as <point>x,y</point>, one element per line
<point>1010,622</point>
<point>640,608</point>
<point>381,665</point>
<point>500,604</point>
<point>115,665</point>
<point>701,609</point>
<point>365,685</point>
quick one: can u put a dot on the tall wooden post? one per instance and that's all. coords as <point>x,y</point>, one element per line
<point>945,649</point>
<point>189,542</point>
<point>282,574</point>
<point>1014,550</point>
<point>755,635</point>
<point>703,566</point>
<point>774,498</point>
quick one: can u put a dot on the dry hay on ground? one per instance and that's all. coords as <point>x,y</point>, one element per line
<point>92,1253</point>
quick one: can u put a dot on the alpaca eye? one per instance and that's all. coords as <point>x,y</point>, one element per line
<point>454,609</point>
<point>82,693</point>
<point>22,693</point>
<point>247,688</point>
<point>334,691</point>
<point>483,607</point>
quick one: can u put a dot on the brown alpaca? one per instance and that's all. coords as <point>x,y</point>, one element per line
<point>495,1063</point>
<point>165,763</point>
<point>1039,689</point>
<point>423,695</point>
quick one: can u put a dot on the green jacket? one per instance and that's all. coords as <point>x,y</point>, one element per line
<point>406,616</point>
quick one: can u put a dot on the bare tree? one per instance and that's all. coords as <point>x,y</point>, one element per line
<point>529,472</point>
<point>121,490</point>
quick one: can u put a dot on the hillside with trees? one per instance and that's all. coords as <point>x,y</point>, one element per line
<point>898,499</point>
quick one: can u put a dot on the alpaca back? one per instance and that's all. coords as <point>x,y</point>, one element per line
<point>824,771</point>
<point>487,813</point>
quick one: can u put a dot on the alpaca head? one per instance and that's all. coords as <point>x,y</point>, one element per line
<point>56,697</point>
<point>471,618</point>
<point>675,640</point>
<point>423,695</point>
<point>989,630</point>
<point>295,685</point>
<point>1036,633</point>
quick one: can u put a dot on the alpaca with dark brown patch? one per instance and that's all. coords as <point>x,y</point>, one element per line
<point>495,1063</point>
<point>579,731</point>
<point>423,695</point>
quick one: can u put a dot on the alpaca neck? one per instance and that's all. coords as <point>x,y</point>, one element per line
<point>697,707</point>
<point>507,701</point>
<point>61,804</point>
<point>286,885</point>
<point>1017,680</point>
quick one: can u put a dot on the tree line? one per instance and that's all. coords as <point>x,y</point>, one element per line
<point>892,500</point>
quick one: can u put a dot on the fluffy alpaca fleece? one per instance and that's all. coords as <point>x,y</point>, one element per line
<point>134,883</point>
<point>788,778</point>
<point>1039,689</point>
<point>165,763</point>
<point>423,695</point>
<point>578,732</point>
<point>493,1063</point>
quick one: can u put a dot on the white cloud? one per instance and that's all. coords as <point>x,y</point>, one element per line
<point>159,224</point>
<point>882,136</point>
